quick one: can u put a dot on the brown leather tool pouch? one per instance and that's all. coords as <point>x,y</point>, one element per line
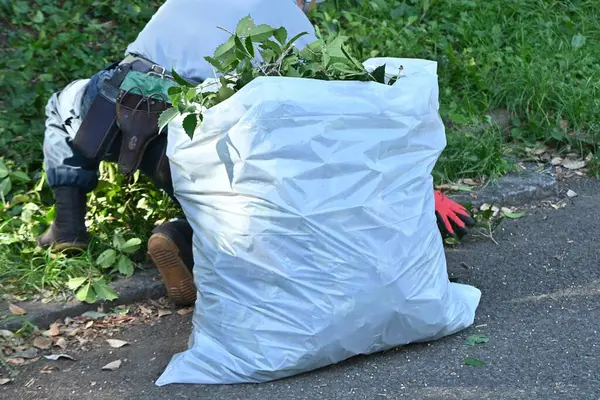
<point>137,117</point>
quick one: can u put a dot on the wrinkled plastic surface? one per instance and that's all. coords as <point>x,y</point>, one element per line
<point>315,238</point>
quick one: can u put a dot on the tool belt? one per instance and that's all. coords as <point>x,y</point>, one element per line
<point>127,108</point>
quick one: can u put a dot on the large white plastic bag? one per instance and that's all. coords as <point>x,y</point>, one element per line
<point>315,237</point>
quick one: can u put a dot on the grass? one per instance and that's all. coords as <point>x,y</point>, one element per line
<point>535,58</point>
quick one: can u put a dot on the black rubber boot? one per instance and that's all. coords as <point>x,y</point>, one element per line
<point>170,248</point>
<point>68,231</point>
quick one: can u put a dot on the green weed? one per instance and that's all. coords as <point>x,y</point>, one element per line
<point>535,58</point>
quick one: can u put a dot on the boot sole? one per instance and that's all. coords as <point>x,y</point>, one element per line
<point>177,278</point>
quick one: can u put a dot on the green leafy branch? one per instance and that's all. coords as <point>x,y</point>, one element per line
<point>114,260</point>
<point>261,50</point>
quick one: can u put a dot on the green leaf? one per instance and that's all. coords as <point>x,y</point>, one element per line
<point>86,294</point>
<point>190,122</point>
<point>578,41</point>
<point>426,4</point>
<point>294,39</point>
<point>5,187</point>
<point>118,241</point>
<point>173,90</point>
<point>131,246</point>
<point>3,169</point>
<point>125,265</point>
<point>224,49</point>
<point>103,291</point>
<point>557,134</point>
<point>250,46</point>
<point>38,18</point>
<point>121,310</point>
<point>513,215</point>
<point>107,258</point>
<point>215,63</point>
<point>334,49</point>
<point>177,78</point>
<point>351,59</point>
<point>451,241</point>
<point>281,35</point>
<point>28,212</point>
<point>19,199</point>
<point>166,117</point>
<point>94,314</point>
<point>75,283</point>
<point>20,176</point>
<point>261,33</point>
<point>271,45</point>
<point>225,92</point>
<point>458,118</point>
<point>51,214</point>
<point>476,339</point>
<point>473,361</point>
<point>190,94</point>
<point>244,25</point>
<point>240,48</point>
<point>379,74</point>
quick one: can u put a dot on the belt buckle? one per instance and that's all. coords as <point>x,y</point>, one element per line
<point>157,70</point>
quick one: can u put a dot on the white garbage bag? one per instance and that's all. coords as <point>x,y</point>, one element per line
<point>315,237</point>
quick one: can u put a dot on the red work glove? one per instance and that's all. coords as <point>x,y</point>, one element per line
<point>453,219</point>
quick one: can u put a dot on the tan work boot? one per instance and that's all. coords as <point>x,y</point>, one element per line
<point>170,248</point>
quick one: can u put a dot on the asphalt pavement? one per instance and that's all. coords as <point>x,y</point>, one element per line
<point>540,286</point>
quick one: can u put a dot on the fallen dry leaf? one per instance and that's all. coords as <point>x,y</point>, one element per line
<point>16,310</point>
<point>470,182</point>
<point>540,150</point>
<point>573,164</point>
<point>114,343</point>
<point>4,381</point>
<point>54,357</point>
<point>89,324</point>
<point>162,313</point>
<point>74,332</point>
<point>15,360</point>
<point>6,334</point>
<point>42,342</point>
<point>564,124</point>
<point>62,343</point>
<point>571,193</point>
<point>558,205</point>
<point>185,311</point>
<point>27,353</point>
<point>48,369</point>
<point>54,330</point>
<point>113,366</point>
<point>556,161</point>
<point>145,310</point>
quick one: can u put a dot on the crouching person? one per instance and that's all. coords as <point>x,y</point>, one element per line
<point>113,117</point>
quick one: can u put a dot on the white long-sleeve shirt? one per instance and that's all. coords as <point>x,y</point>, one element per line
<point>183,32</point>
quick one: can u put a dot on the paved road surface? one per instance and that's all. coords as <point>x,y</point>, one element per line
<point>540,285</point>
